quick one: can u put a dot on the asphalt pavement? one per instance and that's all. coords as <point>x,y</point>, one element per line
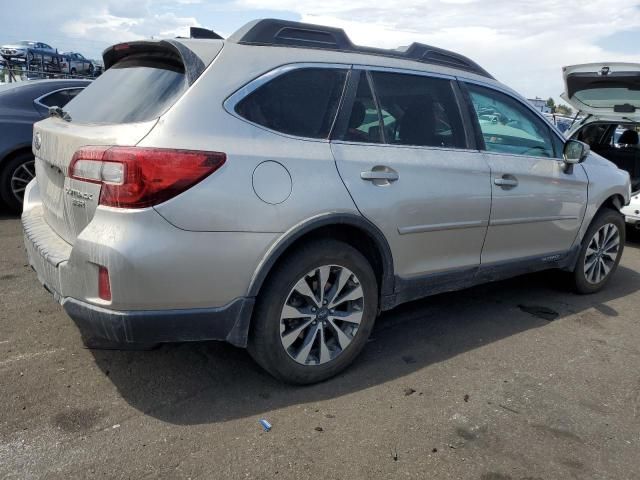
<point>513,380</point>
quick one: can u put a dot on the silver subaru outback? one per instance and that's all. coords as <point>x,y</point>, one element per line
<point>279,189</point>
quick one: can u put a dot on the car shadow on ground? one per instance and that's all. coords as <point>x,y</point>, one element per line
<point>6,215</point>
<point>214,382</point>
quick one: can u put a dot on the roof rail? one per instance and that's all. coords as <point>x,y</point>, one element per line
<point>272,32</point>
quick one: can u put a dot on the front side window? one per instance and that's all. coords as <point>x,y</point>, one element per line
<point>301,102</point>
<point>509,127</point>
<point>419,110</point>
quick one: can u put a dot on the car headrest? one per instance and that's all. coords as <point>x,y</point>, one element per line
<point>357,114</point>
<point>629,137</point>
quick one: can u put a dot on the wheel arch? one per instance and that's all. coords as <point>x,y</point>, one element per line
<point>348,227</point>
<point>615,202</point>
<point>14,152</point>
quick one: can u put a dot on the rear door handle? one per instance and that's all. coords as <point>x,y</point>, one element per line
<point>373,175</point>
<point>506,181</point>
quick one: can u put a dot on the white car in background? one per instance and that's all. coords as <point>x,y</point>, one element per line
<point>632,211</point>
<point>609,95</point>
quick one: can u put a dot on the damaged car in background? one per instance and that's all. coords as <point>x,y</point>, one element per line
<point>609,95</point>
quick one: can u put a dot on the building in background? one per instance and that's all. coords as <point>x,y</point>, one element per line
<point>540,104</point>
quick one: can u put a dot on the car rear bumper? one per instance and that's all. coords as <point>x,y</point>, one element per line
<point>229,323</point>
<point>126,327</point>
<point>167,314</point>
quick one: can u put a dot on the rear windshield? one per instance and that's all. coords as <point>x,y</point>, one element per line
<point>136,89</point>
<point>606,97</point>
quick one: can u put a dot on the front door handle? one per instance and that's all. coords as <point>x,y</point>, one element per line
<point>379,175</point>
<point>506,181</point>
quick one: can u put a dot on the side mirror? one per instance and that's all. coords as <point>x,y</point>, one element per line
<point>574,152</point>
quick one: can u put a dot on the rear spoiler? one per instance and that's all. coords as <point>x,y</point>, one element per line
<point>172,50</point>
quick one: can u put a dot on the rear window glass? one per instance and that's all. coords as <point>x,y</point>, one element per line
<point>136,89</point>
<point>301,102</point>
<point>606,97</point>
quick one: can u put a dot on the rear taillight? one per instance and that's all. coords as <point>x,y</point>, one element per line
<point>136,177</point>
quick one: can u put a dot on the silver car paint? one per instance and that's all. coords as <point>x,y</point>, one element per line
<point>202,269</point>
<point>430,227</point>
<point>59,140</point>
<point>541,215</point>
<point>203,247</point>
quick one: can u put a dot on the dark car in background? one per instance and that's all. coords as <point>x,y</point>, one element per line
<point>21,105</point>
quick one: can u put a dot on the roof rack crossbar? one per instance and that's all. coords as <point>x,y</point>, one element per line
<point>271,32</point>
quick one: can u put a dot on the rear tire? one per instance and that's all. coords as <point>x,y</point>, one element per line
<point>15,174</point>
<point>601,252</point>
<point>306,338</point>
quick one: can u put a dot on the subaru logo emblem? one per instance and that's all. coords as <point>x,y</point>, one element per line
<point>37,141</point>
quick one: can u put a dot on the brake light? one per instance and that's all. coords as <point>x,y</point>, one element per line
<point>136,177</point>
<point>104,285</point>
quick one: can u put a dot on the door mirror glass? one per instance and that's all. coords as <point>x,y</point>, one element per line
<point>575,151</point>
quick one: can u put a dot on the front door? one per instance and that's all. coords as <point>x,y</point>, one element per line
<point>405,160</point>
<point>537,207</point>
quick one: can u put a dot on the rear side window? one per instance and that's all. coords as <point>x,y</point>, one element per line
<point>60,98</point>
<point>301,102</point>
<point>136,89</point>
<point>418,110</point>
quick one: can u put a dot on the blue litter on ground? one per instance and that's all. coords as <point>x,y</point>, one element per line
<point>266,425</point>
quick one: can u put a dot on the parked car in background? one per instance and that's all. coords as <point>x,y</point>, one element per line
<point>279,189</point>
<point>76,64</point>
<point>25,49</point>
<point>632,211</point>
<point>98,68</point>
<point>22,104</point>
<point>609,95</point>
<point>560,122</point>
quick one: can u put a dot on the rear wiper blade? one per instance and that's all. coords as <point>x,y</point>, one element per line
<point>56,111</point>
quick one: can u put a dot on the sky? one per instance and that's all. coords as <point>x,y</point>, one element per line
<point>523,43</point>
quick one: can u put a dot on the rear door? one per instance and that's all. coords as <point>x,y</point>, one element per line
<point>404,155</point>
<point>537,207</point>
<point>610,90</point>
<point>119,108</point>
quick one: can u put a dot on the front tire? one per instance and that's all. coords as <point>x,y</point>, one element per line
<point>601,252</point>
<point>315,313</point>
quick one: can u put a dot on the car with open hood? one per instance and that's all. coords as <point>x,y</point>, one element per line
<point>608,95</point>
